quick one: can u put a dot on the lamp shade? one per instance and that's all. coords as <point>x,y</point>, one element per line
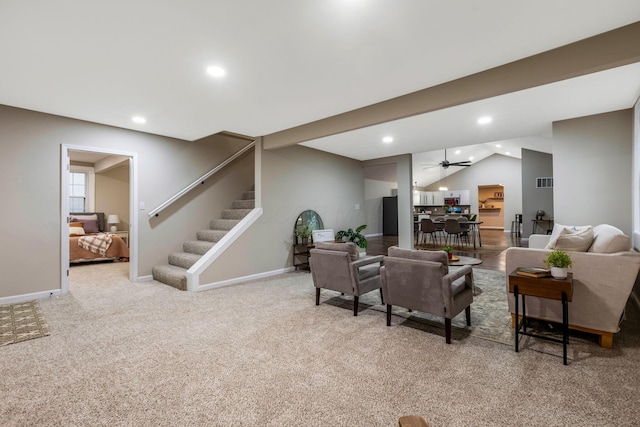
<point>113,220</point>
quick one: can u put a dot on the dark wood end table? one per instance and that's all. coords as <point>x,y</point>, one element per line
<point>542,287</point>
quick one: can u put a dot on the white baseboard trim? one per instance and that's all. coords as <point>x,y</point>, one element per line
<point>29,297</point>
<point>144,278</point>
<point>249,278</point>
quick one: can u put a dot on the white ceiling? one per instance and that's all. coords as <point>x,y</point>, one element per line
<point>291,62</point>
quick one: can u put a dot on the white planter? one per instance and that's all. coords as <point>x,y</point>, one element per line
<point>559,273</point>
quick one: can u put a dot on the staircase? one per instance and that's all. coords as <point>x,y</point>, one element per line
<point>175,274</point>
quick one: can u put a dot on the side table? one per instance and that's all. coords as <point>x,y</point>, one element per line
<point>301,255</point>
<point>542,287</point>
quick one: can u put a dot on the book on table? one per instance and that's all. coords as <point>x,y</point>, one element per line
<point>533,272</point>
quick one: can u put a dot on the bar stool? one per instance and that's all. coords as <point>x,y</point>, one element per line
<point>516,225</point>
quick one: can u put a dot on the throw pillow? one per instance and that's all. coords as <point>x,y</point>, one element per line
<point>608,239</point>
<point>577,241</point>
<point>557,229</point>
<point>89,225</point>
<point>76,229</point>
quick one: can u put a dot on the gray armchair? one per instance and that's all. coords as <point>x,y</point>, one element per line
<point>336,266</point>
<point>420,280</point>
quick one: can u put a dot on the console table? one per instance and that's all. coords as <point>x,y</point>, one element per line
<point>542,287</point>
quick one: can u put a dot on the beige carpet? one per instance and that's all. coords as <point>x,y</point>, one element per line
<point>262,354</point>
<point>21,322</point>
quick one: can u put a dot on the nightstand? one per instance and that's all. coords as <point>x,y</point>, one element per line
<point>124,235</point>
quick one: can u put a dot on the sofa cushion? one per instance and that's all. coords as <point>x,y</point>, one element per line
<point>557,229</point>
<point>608,239</point>
<point>348,247</point>
<point>568,240</point>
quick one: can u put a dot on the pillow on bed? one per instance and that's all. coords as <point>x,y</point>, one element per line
<point>89,225</point>
<point>83,217</point>
<point>76,229</point>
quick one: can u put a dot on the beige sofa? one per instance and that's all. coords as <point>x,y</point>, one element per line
<point>603,277</point>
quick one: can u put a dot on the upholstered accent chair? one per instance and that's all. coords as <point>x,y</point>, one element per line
<point>338,267</point>
<point>421,281</point>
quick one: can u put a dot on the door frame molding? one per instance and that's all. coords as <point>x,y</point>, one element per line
<point>64,209</point>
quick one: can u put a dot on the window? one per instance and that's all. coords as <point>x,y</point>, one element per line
<point>81,189</point>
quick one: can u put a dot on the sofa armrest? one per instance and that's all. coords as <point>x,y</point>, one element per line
<point>368,260</point>
<point>539,241</point>
<point>452,276</point>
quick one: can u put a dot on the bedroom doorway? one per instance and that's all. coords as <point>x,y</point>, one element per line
<point>101,183</point>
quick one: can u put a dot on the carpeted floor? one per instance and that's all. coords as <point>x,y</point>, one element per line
<point>262,354</point>
<point>21,322</point>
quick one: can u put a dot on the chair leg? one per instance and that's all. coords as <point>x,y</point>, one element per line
<point>388,314</point>
<point>447,330</point>
<point>381,296</point>
<point>317,296</point>
<point>467,312</point>
<point>355,305</point>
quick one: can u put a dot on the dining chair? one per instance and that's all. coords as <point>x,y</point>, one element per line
<point>452,228</point>
<point>428,227</point>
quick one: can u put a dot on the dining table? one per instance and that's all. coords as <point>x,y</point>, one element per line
<point>473,230</point>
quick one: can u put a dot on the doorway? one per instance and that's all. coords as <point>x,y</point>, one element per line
<point>491,206</point>
<point>115,176</point>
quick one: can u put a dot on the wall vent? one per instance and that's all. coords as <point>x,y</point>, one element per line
<point>546,182</point>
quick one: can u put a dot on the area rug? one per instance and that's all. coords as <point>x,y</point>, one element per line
<point>490,317</point>
<point>21,322</point>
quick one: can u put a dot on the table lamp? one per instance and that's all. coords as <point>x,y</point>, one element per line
<point>113,220</point>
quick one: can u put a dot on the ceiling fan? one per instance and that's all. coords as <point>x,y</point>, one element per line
<point>445,163</point>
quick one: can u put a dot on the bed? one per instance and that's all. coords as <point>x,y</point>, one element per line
<point>89,228</point>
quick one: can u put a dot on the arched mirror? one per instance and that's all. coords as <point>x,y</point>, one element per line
<point>305,224</point>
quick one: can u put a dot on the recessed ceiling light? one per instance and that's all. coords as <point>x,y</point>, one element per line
<point>216,71</point>
<point>457,151</point>
<point>498,145</point>
<point>471,158</point>
<point>387,139</point>
<point>507,153</point>
<point>484,120</point>
<point>139,119</point>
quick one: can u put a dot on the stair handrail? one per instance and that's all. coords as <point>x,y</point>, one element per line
<point>199,181</point>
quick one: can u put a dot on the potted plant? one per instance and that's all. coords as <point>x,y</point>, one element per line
<point>354,236</point>
<point>304,233</point>
<point>558,261</point>
<point>449,251</point>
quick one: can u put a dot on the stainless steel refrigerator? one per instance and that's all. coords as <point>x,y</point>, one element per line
<point>390,216</point>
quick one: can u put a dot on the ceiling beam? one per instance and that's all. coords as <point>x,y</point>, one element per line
<point>608,50</point>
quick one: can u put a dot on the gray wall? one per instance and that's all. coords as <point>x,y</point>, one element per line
<point>495,169</point>
<point>294,179</point>
<point>112,193</point>
<point>30,147</point>
<point>592,168</point>
<point>535,165</point>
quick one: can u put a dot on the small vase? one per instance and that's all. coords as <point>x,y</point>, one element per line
<point>450,255</point>
<point>559,273</point>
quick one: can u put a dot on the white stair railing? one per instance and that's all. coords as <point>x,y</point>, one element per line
<point>199,181</point>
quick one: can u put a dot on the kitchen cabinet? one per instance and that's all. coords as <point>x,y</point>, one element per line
<point>465,197</point>
<point>438,198</point>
